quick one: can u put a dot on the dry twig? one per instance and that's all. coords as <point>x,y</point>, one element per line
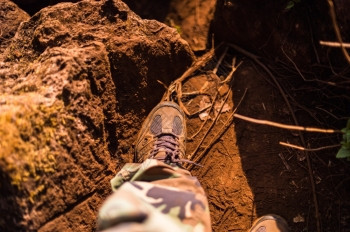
<point>216,118</point>
<point>201,110</point>
<point>334,44</point>
<point>176,86</point>
<point>227,79</point>
<point>206,119</point>
<point>285,126</point>
<point>337,31</point>
<point>308,149</point>
<point>220,60</point>
<point>301,74</point>
<point>284,161</point>
<point>219,134</point>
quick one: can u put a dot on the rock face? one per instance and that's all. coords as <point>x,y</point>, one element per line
<point>10,18</point>
<point>72,83</point>
<point>191,18</point>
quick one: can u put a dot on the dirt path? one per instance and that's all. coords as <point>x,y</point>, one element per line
<point>247,174</point>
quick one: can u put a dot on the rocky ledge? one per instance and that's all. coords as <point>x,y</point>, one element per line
<point>73,78</point>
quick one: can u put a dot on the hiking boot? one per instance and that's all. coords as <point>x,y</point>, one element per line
<point>162,135</point>
<point>270,223</point>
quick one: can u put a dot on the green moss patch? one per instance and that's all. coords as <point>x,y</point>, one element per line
<point>28,124</point>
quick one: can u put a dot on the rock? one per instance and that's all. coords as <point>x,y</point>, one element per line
<point>191,18</point>
<point>76,82</point>
<point>10,18</point>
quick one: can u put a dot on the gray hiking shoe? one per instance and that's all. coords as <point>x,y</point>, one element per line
<point>162,135</point>
<point>270,223</point>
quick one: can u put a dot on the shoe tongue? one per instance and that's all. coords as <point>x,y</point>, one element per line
<point>160,154</point>
<point>167,136</point>
<point>162,150</point>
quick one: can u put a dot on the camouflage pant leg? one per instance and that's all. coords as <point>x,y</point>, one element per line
<point>154,196</point>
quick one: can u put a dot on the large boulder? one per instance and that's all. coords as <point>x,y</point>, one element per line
<point>10,18</point>
<point>75,83</point>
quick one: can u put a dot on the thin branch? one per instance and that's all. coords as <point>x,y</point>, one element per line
<point>176,86</point>
<point>312,37</point>
<point>285,126</point>
<point>200,111</point>
<point>334,44</point>
<point>228,78</point>
<point>215,120</point>
<point>220,60</point>
<point>302,76</point>
<point>337,31</point>
<point>194,93</point>
<point>220,133</point>
<point>197,64</point>
<point>308,149</point>
<point>206,119</point>
<point>234,68</point>
<point>164,85</point>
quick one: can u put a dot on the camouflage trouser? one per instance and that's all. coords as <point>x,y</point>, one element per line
<point>154,196</point>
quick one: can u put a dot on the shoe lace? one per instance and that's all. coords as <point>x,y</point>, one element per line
<point>171,146</point>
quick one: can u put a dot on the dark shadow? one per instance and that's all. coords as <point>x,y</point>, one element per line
<point>278,176</point>
<point>260,152</point>
<point>10,211</point>
<point>140,89</point>
<point>33,6</point>
<point>150,9</point>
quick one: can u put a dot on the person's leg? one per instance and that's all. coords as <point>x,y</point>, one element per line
<point>157,195</point>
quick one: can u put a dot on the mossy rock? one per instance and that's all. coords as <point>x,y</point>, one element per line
<point>28,128</point>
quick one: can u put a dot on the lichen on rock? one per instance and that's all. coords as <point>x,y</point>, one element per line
<point>27,128</point>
